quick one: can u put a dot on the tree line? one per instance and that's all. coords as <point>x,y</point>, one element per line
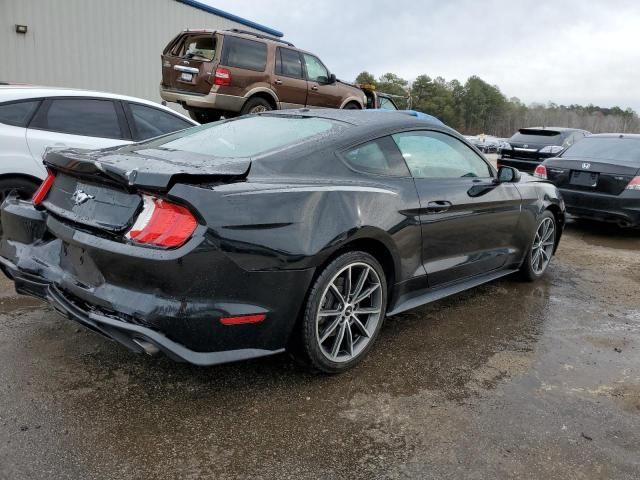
<point>478,107</point>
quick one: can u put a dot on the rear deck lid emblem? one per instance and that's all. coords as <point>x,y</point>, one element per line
<point>586,166</point>
<point>79,197</point>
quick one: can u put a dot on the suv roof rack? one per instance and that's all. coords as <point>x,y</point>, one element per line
<point>259,35</point>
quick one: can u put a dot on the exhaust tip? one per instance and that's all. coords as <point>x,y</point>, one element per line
<point>148,347</point>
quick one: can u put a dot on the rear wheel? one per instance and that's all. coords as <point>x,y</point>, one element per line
<point>344,312</point>
<point>541,251</point>
<point>352,106</point>
<point>204,116</point>
<point>256,105</point>
<point>24,188</point>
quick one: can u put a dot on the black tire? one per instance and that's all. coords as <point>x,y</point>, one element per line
<point>23,187</point>
<point>310,347</point>
<point>255,105</point>
<point>204,116</point>
<point>527,271</point>
<point>352,106</point>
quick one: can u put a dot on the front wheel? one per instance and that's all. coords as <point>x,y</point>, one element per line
<point>344,312</point>
<point>541,251</point>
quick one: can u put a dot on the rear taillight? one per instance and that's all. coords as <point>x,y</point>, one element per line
<point>222,77</point>
<point>634,184</point>
<point>43,189</point>
<point>162,223</point>
<point>540,172</point>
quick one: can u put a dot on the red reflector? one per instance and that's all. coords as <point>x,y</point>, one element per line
<point>162,223</point>
<point>43,189</point>
<point>634,184</point>
<point>243,319</point>
<point>540,172</point>
<point>222,76</point>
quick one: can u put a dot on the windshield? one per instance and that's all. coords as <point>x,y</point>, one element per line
<point>246,136</point>
<point>606,148</point>
<point>199,47</point>
<point>544,137</point>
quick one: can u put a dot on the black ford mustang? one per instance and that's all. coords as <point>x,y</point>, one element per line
<point>294,229</point>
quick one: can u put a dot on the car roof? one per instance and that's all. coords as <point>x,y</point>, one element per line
<point>634,136</point>
<point>557,129</point>
<point>24,92</point>
<point>372,117</point>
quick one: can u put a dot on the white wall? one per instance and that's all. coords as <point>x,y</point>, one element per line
<point>106,45</point>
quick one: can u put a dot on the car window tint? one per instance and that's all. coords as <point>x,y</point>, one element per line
<point>316,71</point>
<point>243,53</point>
<point>288,63</point>
<point>18,114</point>
<point>437,155</point>
<point>379,157</point>
<point>88,117</point>
<point>151,122</point>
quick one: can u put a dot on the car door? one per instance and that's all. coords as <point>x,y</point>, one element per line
<point>78,122</point>
<point>288,81</point>
<point>468,221</point>
<point>320,93</point>
<point>148,122</point>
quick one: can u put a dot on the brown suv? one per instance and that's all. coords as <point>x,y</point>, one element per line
<point>213,73</point>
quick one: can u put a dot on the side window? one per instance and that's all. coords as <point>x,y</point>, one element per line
<point>437,155</point>
<point>82,116</point>
<point>316,71</point>
<point>288,63</point>
<point>151,122</point>
<point>243,53</point>
<point>386,104</point>
<point>18,114</point>
<point>379,157</point>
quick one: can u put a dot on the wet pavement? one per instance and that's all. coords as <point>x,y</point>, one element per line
<point>510,380</point>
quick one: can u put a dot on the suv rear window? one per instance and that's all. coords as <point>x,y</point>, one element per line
<point>246,136</point>
<point>531,135</point>
<point>243,53</point>
<point>196,46</point>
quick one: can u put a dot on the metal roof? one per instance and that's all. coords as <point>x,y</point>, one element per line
<point>229,16</point>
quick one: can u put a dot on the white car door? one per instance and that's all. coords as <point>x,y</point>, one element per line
<point>76,122</point>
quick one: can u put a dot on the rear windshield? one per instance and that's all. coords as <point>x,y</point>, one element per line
<point>247,136</point>
<point>545,137</point>
<point>606,148</point>
<point>196,46</point>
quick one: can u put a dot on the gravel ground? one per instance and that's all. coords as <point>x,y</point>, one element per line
<point>510,380</point>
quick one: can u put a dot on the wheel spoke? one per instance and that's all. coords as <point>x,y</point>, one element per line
<point>347,284</point>
<point>534,260</point>
<point>361,281</point>
<point>338,341</point>
<point>546,244</point>
<point>367,311</point>
<point>349,338</point>
<point>337,293</point>
<point>367,293</point>
<point>548,235</point>
<point>361,327</point>
<point>330,329</point>
<point>329,313</point>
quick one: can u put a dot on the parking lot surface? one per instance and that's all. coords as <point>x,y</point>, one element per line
<point>508,380</point>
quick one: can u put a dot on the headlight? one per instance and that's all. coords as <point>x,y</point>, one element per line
<point>506,146</point>
<point>552,149</point>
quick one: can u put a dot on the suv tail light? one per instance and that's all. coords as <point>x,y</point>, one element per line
<point>540,172</point>
<point>43,189</point>
<point>222,77</point>
<point>162,223</point>
<point>634,184</point>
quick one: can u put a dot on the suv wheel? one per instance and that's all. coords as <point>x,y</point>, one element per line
<point>256,105</point>
<point>352,106</point>
<point>344,312</point>
<point>204,116</point>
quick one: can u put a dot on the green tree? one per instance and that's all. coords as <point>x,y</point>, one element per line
<point>366,77</point>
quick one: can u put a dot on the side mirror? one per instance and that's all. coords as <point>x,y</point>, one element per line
<point>508,175</point>
<point>332,78</point>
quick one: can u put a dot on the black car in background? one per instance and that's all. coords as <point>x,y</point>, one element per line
<point>529,147</point>
<point>599,178</point>
<point>295,229</point>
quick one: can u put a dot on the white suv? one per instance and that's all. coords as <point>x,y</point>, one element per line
<point>34,118</point>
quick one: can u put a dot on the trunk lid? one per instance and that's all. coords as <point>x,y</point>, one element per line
<point>589,175</point>
<point>189,61</point>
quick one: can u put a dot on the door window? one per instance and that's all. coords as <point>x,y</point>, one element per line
<point>288,63</point>
<point>243,53</point>
<point>437,155</point>
<point>387,104</point>
<point>379,157</point>
<point>316,71</point>
<point>151,122</point>
<point>82,116</point>
<point>18,114</point>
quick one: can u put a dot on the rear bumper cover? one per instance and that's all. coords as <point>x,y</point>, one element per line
<point>215,101</point>
<point>623,209</point>
<point>176,308</point>
<point>523,164</point>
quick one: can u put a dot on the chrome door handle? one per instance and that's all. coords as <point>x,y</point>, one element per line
<point>438,206</point>
<point>277,81</point>
<point>314,88</point>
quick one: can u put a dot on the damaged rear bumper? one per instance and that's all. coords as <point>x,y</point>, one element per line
<point>175,310</point>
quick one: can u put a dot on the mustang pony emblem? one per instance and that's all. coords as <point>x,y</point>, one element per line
<point>586,166</point>
<point>79,197</point>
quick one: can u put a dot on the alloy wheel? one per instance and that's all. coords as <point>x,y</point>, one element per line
<point>543,244</point>
<point>349,312</point>
<point>258,109</point>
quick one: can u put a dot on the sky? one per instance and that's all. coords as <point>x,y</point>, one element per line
<point>537,50</point>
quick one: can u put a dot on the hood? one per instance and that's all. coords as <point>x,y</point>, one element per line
<point>144,167</point>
